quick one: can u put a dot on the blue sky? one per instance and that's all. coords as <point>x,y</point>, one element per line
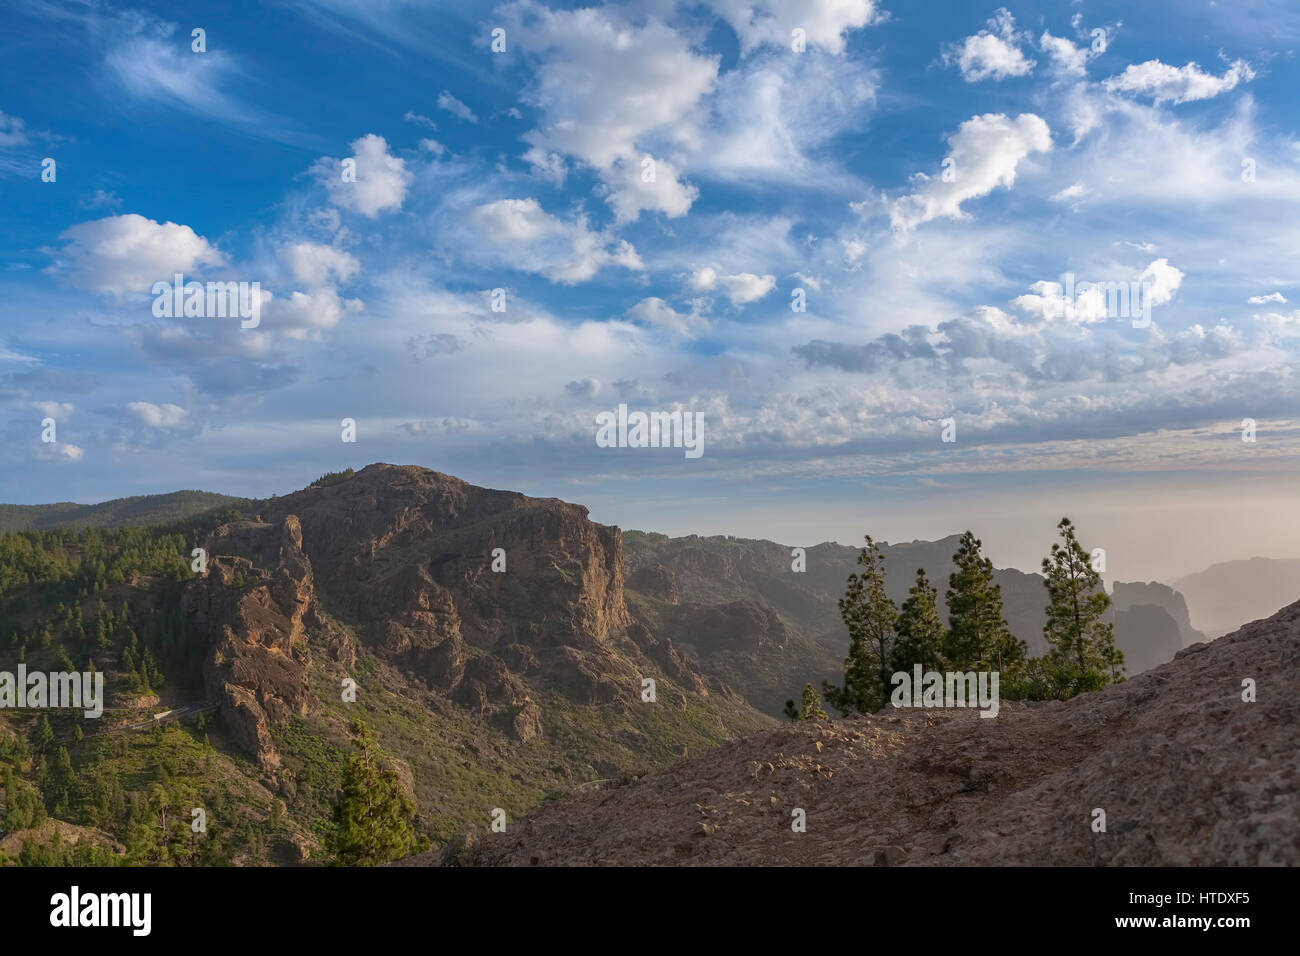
<point>1153,144</point>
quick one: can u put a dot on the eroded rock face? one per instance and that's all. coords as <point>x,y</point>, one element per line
<point>410,553</point>
<point>255,603</point>
<point>406,555</point>
<point>737,625</point>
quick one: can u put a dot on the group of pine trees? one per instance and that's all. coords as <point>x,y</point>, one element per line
<point>884,639</point>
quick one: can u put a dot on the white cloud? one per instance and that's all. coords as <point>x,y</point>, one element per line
<point>1265,299</point>
<point>304,314</point>
<point>159,416</point>
<point>703,279</point>
<point>985,151</point>
<point>413,117</point>
<point>381,179</point>
<point>313,264</point>
<point>1177,84</point>
<point>630,194</point>
<point>1091,302</point>
<point>56,410</point>
<point>656,312</point>
<point>121,255</point>
<point>824,22</point>
<point>993,53</point>
<point>1068,59</point>
<point>60,451</point>
<point>1161,281</point>
<point>741,288</point>
<point>745,287</point>
<point>608,92</point>
<point>538,242</point>
<point>13,131</point>
<point>1076,190</point>
<point>772,116</point>
<point>455,107</point>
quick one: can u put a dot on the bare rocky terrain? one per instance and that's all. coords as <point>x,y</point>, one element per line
<point>1186,771</point>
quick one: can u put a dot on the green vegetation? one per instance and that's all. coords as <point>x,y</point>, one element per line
<point>333,478</point>
<point>373,819</point>
<point>882,641</point>
<point>811,708</point>
<point>139,511</point>
<point>872,620</point>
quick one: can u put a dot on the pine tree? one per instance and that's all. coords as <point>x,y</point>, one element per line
<point>1083,654</point>
<point>812,705</point>
<point>978,636</point>
<point>921,633</point>
<point>871,618</point>
<point>791,710</point>
<point>44,734</point>
<point>373,819</point>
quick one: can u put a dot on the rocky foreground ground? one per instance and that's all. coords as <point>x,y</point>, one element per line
<point>1186,771</point>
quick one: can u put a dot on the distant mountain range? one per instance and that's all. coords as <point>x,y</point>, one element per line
<point>736,608</point>
<point>138,511</point>
<point>777,622</point>
<point>1225,596</point>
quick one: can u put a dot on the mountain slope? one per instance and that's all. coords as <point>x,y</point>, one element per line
<point>488,689</point>
<point>136,512</point>
<point>1186,772</point>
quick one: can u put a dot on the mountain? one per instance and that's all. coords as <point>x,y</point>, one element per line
<point>502,649</point>
<point>1224,596</point>
<point>739,612</point>
<point>136,512</point>
<point>486,688</point>
<point>946,787</point>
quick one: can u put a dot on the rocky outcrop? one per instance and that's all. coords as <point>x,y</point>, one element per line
<point>1192,763</point>
<point>255,603</point>
<point>736,625</point>
<point>488,597</point>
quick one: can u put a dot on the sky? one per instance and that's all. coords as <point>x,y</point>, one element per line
<point>916,267</point>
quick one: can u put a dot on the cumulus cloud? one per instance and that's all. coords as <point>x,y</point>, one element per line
<point>159,416</point>
<point>1091,299</point>
<point>1177,84</point>
<point>1069,60</point>
<point>608,91</point>
<point>825,22</point>
<point>381,179</point>
<point>536,241</point>
<point>316,265</point>
<point>985,152</point>
<point>993,53</point>
<point>1265,299</point>
<point>654,311</point>
<point>301,314</point>
<point>122,255</point>
<point>741,288</point>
